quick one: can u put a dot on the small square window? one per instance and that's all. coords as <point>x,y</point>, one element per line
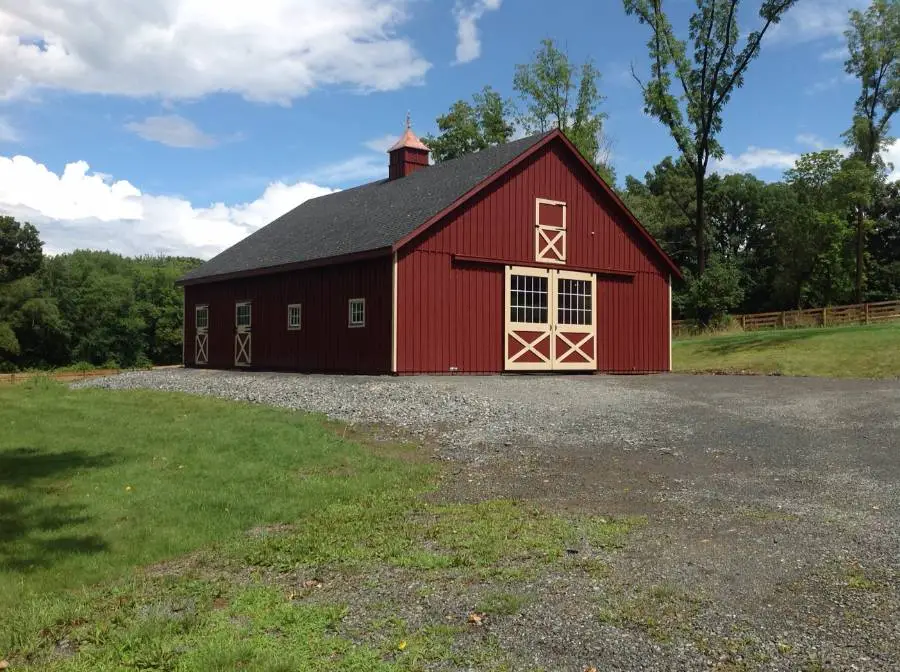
<point>357,313</point>
<point>294,316</point>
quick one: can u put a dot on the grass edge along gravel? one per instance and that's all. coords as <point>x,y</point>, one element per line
<point>834,352</point>
<point>303,498</point>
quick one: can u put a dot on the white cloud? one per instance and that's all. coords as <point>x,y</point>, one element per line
<point>891,155</point>
<point>84,209</point>
<point>7,132</point>
<point>822,86</point>
<point>270,51</point>
<point>172,130</point>
<point>354,170</point>
<point>383,143</point>
<point>467,14</point>
<point>815,19</point>
<point>756,158</point>
<point>836,54</point>
<point>811,140</point>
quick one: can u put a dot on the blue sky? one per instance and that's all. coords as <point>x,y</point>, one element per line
<point>179,126</point>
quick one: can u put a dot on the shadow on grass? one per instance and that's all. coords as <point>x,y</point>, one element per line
<point>34,533</point>
<point>758,341</point>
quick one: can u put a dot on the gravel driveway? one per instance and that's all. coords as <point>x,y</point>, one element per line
<point>773,504</point>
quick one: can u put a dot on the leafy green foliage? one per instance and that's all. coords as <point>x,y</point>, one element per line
<point>95,307</point>
<point>471,127</point>
<point>873,42</point>
<point>20,250</point>
<point>713,294</point>
<point>706,79</point>
<point>554,93</point>
<point>551,99</point>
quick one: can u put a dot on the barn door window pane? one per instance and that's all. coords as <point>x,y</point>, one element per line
<point>357,313</point>
<point>242,315</point>
<point>294,316</point>
<point>201,317</point>
<point>574,301</point>
<point>528,299</point>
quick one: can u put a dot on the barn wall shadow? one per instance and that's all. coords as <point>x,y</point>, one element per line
<point>34,532</point>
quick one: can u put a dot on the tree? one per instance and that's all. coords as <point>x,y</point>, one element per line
<point>706,85</point>
<point>551,99</point>
<point>20,250</point>
<point>873,41</point>
<point>470,127</point>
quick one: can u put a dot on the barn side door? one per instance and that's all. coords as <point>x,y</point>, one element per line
<point>242,341</point>
<point>529,310</point>
<point>201,339</point>
<point>574,322</point>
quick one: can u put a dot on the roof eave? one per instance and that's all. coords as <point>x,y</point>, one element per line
<point>285,268</point>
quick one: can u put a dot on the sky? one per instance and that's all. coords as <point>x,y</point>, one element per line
<point>181,126</point>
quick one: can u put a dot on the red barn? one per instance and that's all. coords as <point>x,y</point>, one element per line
<point>515,258</point>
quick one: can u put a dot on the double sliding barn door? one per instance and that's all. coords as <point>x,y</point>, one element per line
<point>550,320</point>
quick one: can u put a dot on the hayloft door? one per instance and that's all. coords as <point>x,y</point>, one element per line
<point>574,330</point>
<point>529,312</point>
<point>201,338</point>
<point>242,342</point>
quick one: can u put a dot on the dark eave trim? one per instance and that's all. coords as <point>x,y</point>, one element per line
<point>285,268</point>
<point>609,272</point>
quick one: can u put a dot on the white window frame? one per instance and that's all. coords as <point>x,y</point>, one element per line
<point>237,306</point>
<point>356,324</point>
<point>290,325</point>
<point>197,310</point>
<point>547,238</point>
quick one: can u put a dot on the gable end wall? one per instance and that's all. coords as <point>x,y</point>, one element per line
<point>450,312</point>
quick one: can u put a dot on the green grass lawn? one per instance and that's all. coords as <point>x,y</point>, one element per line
<point>97,486</point>
<point>840,352</point>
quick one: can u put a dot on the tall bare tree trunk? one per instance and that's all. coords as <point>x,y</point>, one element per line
<point>700,226</point>
<point>860,252</point>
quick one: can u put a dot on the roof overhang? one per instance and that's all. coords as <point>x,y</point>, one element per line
<point>285,268</point>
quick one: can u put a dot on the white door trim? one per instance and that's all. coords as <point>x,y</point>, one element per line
<point>242,336</point>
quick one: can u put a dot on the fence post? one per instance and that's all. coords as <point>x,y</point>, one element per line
<point>743,323</point>
<point>782,320</point>
<point>867,313</point>
<point>824,317</point>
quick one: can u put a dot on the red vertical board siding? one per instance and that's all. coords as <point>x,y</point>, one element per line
<point>324,342</point>
<point>450,313</point>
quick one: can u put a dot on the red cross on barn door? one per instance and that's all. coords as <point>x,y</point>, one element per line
<point>242,342</point>
<point>550,323</point>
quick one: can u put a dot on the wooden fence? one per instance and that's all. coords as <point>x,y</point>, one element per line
<point>68,376</point>
<point>831,316</point>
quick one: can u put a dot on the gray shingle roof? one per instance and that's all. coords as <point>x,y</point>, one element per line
<point>369,217</point>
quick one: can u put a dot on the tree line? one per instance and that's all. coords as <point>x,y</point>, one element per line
<point>88,307</point>
<point>827,233</point>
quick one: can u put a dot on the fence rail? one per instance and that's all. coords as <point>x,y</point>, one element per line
<point>68,376</point>
<point>830,316</point>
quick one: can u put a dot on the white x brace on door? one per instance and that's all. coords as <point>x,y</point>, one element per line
<point>550,320</point>
<point>242,342</point>
<point>201,339</point>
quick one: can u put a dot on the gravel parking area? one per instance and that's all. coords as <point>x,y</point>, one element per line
<point>773,505</point>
